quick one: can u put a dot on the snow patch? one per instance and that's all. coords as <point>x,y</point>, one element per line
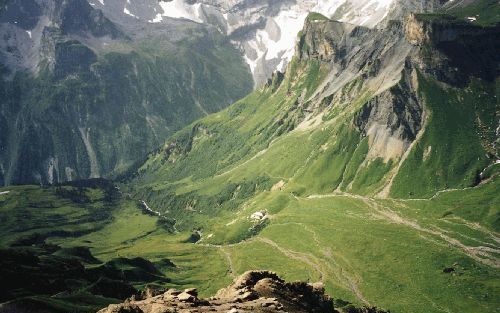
<point>290,24</point>
<point>179,9</point>
<point>94,4</point>
<point>157,19</point>
<point>126,11</point>
<point>276,42</point>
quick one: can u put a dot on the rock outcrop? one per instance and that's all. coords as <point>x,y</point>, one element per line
<point>264,30</point>
<point>321,39</point>
<point>433,29</point>
<point>447,48</point>
<point>254,291</point>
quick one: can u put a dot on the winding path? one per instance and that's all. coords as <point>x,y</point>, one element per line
<point>484,255</point>
<point>226,253</point>
<point>299,256</point>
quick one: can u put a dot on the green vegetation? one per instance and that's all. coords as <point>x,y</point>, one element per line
<point>355,162</point>
<point>371,176</point>
<point>487,12</point>
<point>35,218</point>
<point>30,214</point>
<point>37,274</point>
<point>126,100</point>
<point>475,205</point>
<point>450,153</point>
<point>440,18</point>
<point>379,251</point>
<point>286,180</point>
<point>314,16</point>
<point>326,171</point>
<point>344,240</point>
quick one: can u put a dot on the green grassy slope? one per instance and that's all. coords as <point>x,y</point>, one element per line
<point>304,164</point>
<point>211,165</point>
<point>487,12</point>
<point>388,253</point>
<point>454,148</point>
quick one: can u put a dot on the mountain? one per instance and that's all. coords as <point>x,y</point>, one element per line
<point>167,77</point>
<point>367,111</point>
<point>370,165</point>
<point>84,95</point>
<point>265,30</point>
<point>371,135</point>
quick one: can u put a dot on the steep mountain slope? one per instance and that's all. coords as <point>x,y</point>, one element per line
<point>82,96</point>
<point>358,110</point>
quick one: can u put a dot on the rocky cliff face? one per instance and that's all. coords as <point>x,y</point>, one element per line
<point>392,117</point>
<point>321,38</point>
<point>428,29</point>
<point>448,48</point>
<point>253,291</point>
<point>83,96</point>
<point>264,30</point>
<point>453,58</point>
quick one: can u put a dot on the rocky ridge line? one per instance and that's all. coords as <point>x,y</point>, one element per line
<point>254,291</point>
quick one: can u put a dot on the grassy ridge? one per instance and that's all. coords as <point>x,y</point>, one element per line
<point>32,213</point>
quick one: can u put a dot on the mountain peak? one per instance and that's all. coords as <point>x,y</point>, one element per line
<point>264,30</point>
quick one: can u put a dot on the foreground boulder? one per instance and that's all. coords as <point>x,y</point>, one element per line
<point>254,291</point>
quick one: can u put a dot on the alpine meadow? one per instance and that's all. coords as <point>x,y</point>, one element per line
<point>249,156</point>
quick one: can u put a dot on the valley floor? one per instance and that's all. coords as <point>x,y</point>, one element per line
<point>435,255</point>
